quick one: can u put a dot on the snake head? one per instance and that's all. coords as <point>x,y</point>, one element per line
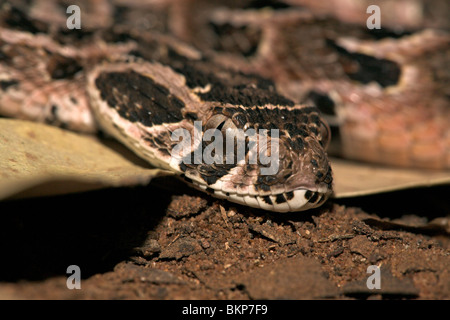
<point>277,162</point>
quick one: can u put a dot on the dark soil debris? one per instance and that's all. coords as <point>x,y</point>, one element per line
<point>146,243</point>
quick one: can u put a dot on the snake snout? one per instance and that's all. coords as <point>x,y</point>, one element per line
<point>307,176</point>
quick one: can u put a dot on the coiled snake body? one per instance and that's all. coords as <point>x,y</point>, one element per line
<point>141,87</point>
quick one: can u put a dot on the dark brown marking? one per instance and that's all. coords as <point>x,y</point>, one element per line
<point>289,195</point>
<point>297,143</point>
<point>314,197</point>
<point>280,198</point>
<point>315,119</point>
<point>210,179</point>
<point>54,110</point>
<point>368,68</point>
<point>209,173</point>
<point>322,101</point>
<point>257,93</point>
<point>267,200</point>
<point>314,130</point>
<point>239,120</point>
<point>328,177</point>
<point>164,151</point>
<point>5,84</point>
<point>138,98</point>
<point>183,167</point>
<point>263,187</point>
<point>192,116</point>
<point>189,180</point>
<point>231,39</point>
<point>14,17</point>
<point>60,67</point>
<point>289,127</point>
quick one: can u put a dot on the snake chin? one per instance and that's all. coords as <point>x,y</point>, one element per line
<point>292,201</point>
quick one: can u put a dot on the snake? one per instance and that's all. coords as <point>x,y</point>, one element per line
<point>141,85</point>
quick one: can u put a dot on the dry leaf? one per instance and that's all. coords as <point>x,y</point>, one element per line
<point>37,159</point>
<point>352,179</point>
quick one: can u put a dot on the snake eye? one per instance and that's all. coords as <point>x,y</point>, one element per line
<point>215,122</point>
<point>220,122</point>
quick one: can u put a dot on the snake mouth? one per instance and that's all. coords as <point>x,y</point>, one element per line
<point>292,201</point>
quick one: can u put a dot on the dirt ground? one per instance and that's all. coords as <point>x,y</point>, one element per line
<point>156,243</point>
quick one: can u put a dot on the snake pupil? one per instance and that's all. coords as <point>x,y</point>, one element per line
<point>220,126</point>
